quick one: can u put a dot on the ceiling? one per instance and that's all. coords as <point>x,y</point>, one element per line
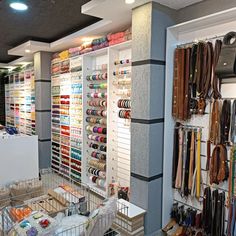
<point>46,27</point>
<point>45,21</point>
<point>177,4</point>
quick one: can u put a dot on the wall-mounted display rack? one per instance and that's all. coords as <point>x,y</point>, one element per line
<point>91,112</point>
<point>67,116</point>
<point>20,101</point>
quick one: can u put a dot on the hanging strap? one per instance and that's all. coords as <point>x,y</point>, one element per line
<point>179,84</point>
<point>214,211</point>
<point>223,173</point>
<point>199,67</point>
<point>215,81</point>
<point>192,76</point>
<point>185,139</point>
<point>175,85</point>
<point>225,122</point>
<point>207,210</point>
<point>178,180</point>
<point>187,163</point>
<point>186,109</point>
<point>201,75</point>
<point>208,70</point>
<point>215,122</point>
<point>193,104</point>
<point>192,161</point>
<point>233,124</point>
<point>198,185</point>
<point>219,170</point>
<point>214,166</point>
<point>175,154</point>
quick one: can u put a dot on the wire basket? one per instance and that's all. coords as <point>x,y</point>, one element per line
<point>38,195</point>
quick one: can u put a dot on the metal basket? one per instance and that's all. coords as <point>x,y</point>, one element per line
<point>30,191</point>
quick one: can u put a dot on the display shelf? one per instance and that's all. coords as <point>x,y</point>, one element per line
<point>85,118</point>
<point>66,96</point>
<point>120,114</point>
<point>95,67</point>
<point>20,102</point>
<point>204,28</point>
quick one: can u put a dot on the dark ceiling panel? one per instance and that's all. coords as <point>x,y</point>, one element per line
<point>45,20</point>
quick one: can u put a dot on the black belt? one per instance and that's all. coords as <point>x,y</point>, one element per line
<point>207,217</point>
<point>175,154</point>
<point>233,124</point>
<point>214,211</point>
<point>220,215</point>
<point>225,121</point>
<point>187,162</point>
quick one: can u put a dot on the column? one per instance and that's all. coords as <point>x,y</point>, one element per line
<point>149,24</point>
<point>42,70</point>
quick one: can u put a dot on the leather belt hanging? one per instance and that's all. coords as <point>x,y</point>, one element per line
<point>175,154</point>
<point>233,124</point>
<point>206,75</point>
<point>199,73</point>
<point>187,164</point>
<point>181,91</point>
<point>192,161</point>
<point>178,86</point>
<point>185,157</point>
<point>220,215</point>
<point>215,122</point>
<point>231,229</point>
<point>215,81</point>
<point>178,180</point>
<point>198,174</point>
<point>208,70</point>
<point>219,171</point>
<point>186,85</point>
<point>192,80</point>
<point>175,85</point>
<point>214,211</point>
<point>225,121</point>
<point>207,210</point>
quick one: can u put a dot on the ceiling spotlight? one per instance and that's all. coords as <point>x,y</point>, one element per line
<point>27,51</point>
<point>19,6</point>
<point>129,1</point>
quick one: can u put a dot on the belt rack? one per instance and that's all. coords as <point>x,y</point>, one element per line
<point>183,45</point>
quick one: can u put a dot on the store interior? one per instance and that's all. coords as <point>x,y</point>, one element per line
<point>117,117</point>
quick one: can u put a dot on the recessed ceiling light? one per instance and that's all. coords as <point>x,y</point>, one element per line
<point>27,51</point>
<point>19,6</point>
<point>129,1</point>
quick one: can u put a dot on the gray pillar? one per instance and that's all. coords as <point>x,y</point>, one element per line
<point>42,68</point>
<point>149,24</point>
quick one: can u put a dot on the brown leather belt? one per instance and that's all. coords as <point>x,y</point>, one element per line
<point>180,104</point>
<point>193,68</point>
<point>215,81</point>
<point>186,85</point>
<point>219,170</point>
<point>215,122</point>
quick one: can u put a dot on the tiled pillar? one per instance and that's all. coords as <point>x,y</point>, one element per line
<point>149,24</point>
<point>42,68</point>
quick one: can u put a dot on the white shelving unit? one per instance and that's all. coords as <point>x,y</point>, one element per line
<point>20,101</point>
<point>67,118</point>
<point>119,128</point>
<point>94,64</point>
<point>115,131</point>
